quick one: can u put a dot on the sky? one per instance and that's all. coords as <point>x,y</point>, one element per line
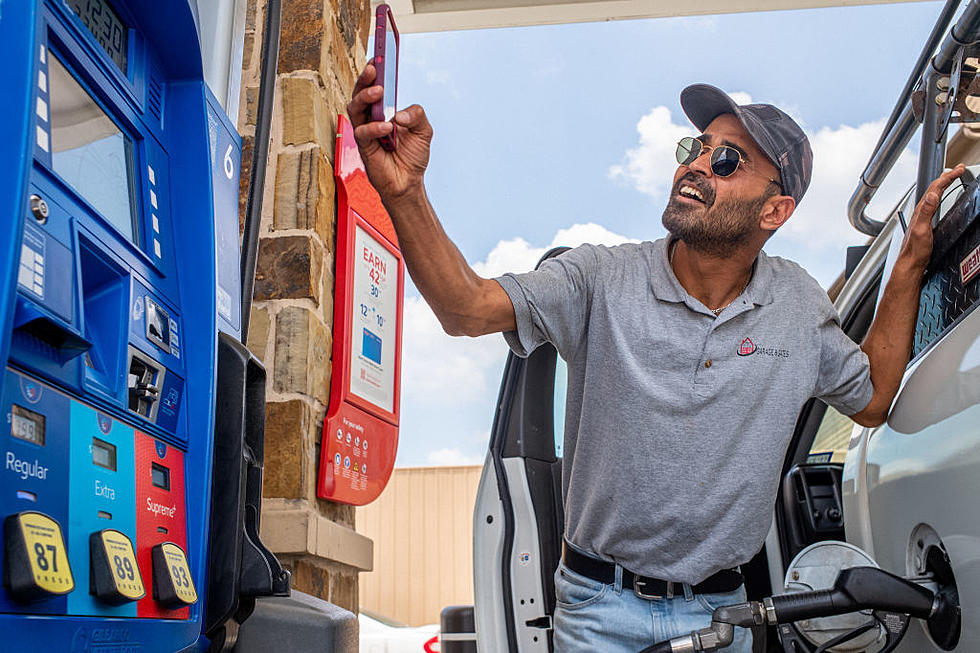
<point>559,135</point>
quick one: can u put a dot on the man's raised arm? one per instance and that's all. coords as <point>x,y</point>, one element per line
<point>889,340</point>
<point>464,302</point>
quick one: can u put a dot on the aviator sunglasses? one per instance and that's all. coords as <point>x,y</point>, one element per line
<point>725,159</point>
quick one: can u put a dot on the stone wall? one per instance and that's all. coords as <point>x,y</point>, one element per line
<point>323,44</point>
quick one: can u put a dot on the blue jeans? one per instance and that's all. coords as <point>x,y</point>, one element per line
<point>592,616</point>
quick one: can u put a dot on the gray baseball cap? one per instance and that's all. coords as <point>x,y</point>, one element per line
<point>773,131</point>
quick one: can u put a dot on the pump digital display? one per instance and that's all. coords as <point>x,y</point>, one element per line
<point>91,153</point>
<point>161,477</point>
<point>106,26</point>
<point>104,454</point>
<point>27,425</point>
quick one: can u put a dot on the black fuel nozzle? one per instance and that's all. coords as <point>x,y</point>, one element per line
<point>857,588</point>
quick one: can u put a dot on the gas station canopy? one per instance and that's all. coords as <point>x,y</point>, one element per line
<point>443,15</point>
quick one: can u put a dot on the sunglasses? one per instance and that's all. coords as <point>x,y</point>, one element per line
<point>725,159</point>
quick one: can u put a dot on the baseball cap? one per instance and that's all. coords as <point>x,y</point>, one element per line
<point>773,131</point>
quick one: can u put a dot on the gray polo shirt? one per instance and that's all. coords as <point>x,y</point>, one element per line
<point>677,422</point>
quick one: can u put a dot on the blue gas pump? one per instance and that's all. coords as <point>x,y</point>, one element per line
<point>132,446</point>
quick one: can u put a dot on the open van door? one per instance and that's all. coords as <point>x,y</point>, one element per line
<point>518,519</point>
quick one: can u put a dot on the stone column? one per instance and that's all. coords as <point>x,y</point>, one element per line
<point>323,44</point>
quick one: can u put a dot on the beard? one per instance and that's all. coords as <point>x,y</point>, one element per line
<point>713,229</point>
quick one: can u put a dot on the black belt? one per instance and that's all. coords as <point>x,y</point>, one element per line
<point>726,580</point>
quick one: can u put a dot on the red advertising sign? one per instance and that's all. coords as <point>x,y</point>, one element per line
<point>360,431</point>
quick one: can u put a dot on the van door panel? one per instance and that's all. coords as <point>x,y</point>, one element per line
<point>518,521</point>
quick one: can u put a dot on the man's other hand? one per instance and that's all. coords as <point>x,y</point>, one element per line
<point>889,340</point>
<point>399,172</point>
<point>917,245</point>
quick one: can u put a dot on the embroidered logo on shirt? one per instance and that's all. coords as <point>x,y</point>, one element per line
<point>747,348</point>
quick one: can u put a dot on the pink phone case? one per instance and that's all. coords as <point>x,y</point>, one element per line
<point>382,61</point>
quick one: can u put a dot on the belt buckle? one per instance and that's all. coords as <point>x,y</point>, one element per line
<point>638,586</point>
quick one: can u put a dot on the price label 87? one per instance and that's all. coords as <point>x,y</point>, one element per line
<point>37,561</point>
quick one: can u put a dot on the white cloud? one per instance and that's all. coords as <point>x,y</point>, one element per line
<point>839,157</point>
<point>449,385</point>
<point>436,366</point>
<point>740,97</point>
<point>650,165</point>
<point>518,255</point>
<point>451,456</point>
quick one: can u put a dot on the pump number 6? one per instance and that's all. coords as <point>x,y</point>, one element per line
<point>229,163</point>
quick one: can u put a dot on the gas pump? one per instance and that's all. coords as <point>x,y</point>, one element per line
<point>132,446</point>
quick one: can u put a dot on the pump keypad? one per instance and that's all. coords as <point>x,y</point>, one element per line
<point>115,576</point>
<point>35,558</point>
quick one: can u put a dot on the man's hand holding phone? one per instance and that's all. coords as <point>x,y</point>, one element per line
<point>464,302</point>
<point>396,172</point>
<point>394,144</point>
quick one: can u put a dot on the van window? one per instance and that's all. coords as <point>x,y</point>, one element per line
<point>830,442</point>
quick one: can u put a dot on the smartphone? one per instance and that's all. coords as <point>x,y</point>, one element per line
<point>386,65</point>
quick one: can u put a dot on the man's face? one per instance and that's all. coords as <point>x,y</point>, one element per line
<point>728,210</point>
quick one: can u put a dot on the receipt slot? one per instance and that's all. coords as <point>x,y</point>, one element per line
<point>360,431</point>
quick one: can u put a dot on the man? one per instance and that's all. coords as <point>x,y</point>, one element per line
<point>688,362</point>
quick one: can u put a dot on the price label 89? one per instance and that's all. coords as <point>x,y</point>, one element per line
<point>115,576</point>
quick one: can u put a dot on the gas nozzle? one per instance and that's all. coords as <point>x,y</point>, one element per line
<point>857,588</point>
